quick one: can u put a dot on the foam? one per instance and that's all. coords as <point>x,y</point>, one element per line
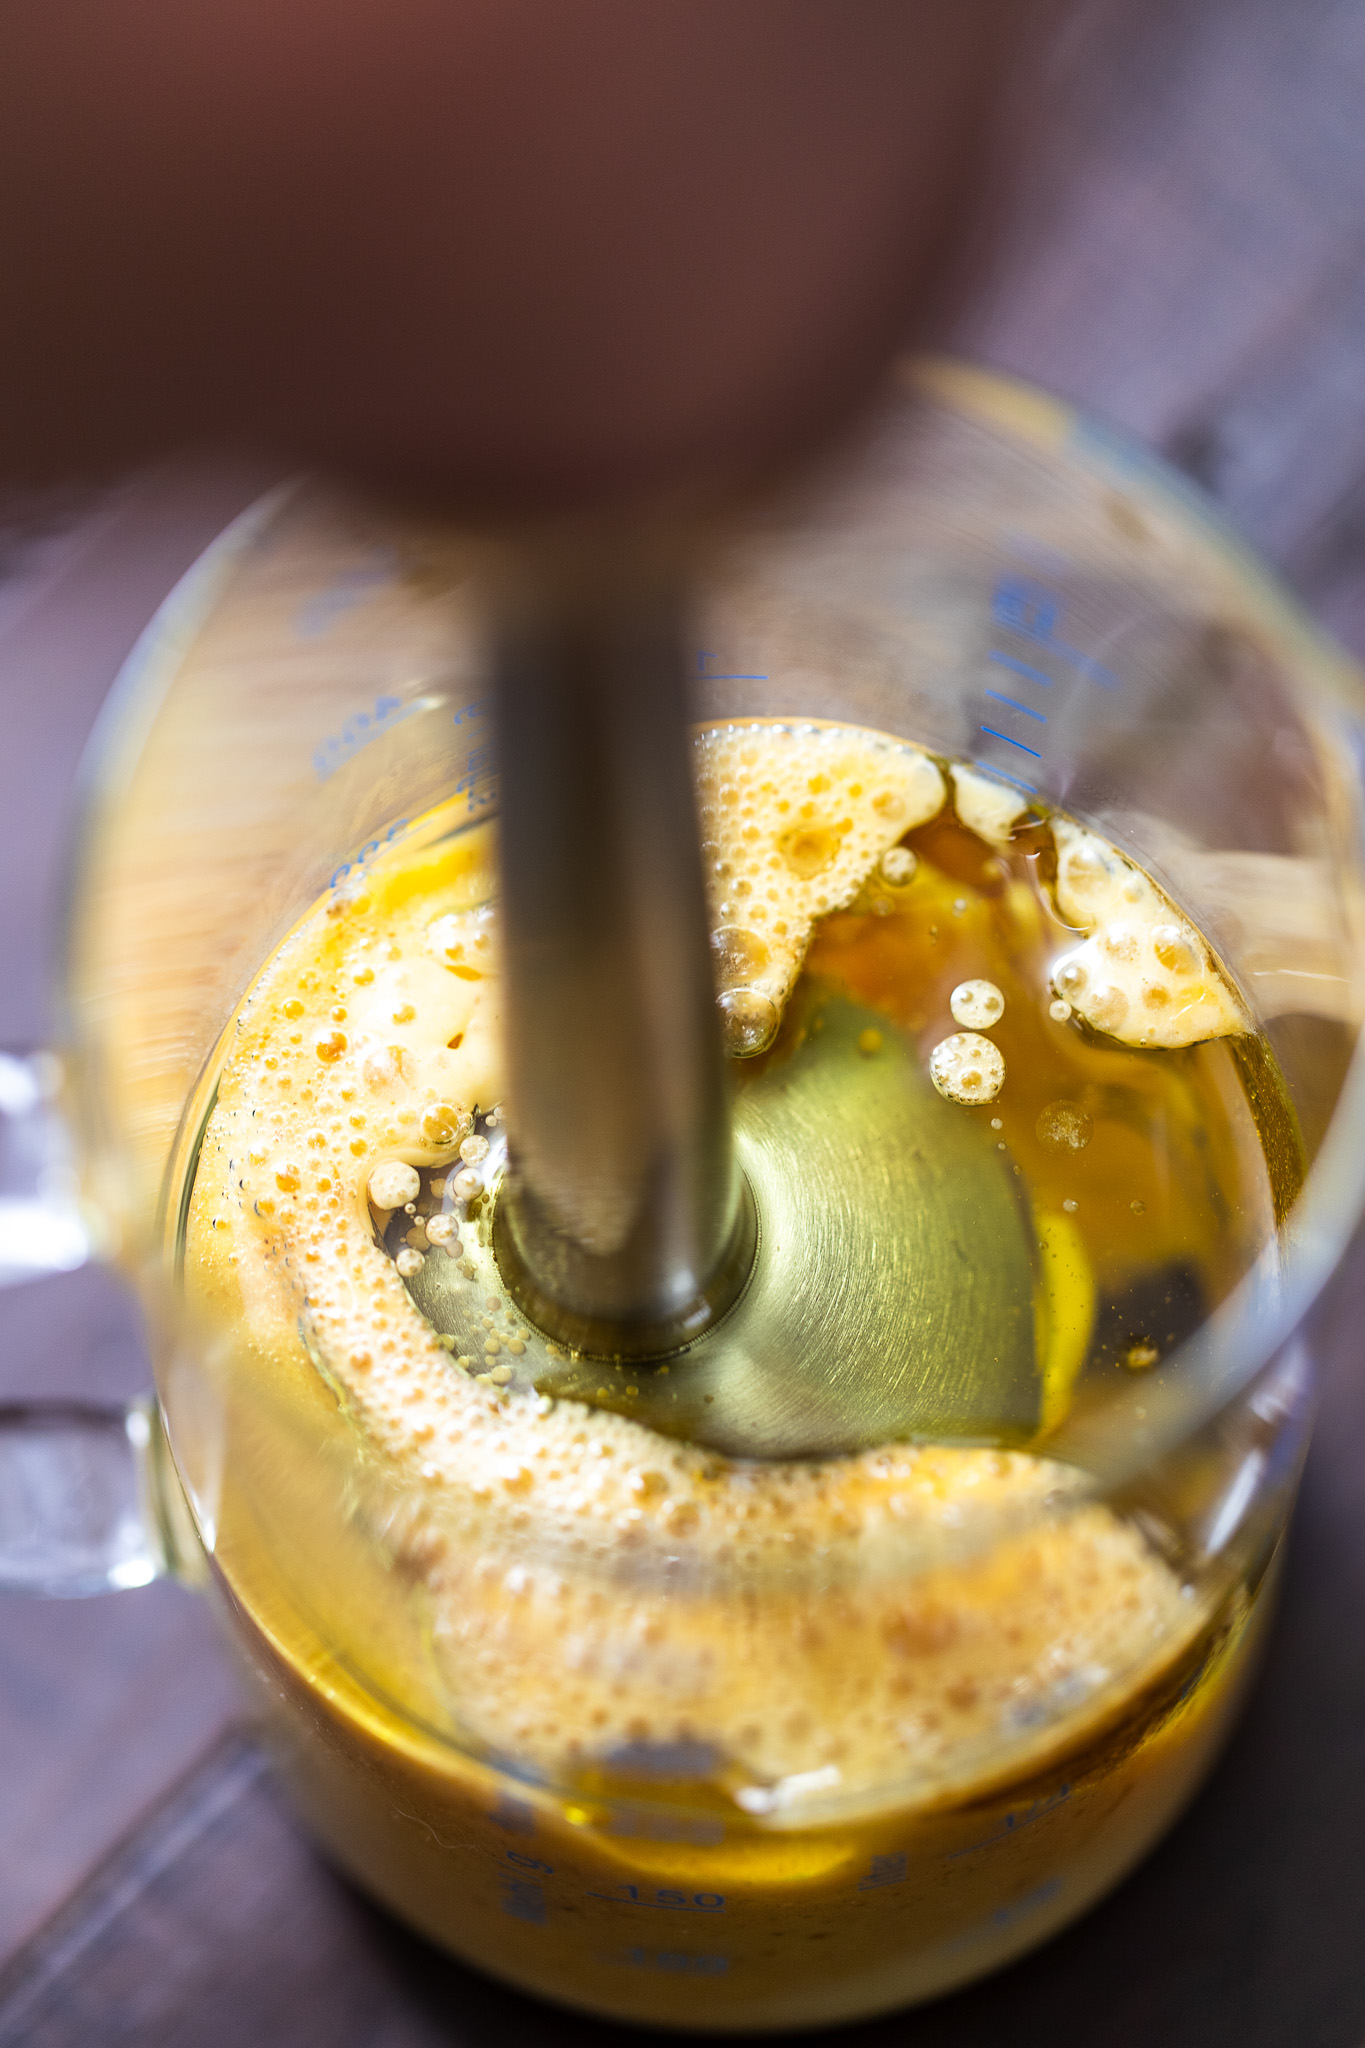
<point>1144,975</point>
<point>579,1571</point>
<point>990,809</point>
<point>793,820</point>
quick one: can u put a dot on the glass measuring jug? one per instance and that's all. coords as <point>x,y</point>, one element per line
<point>1002,583</point>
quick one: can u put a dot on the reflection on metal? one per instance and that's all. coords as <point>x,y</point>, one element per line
<point>892,1289</point>
<point>42,1229</point>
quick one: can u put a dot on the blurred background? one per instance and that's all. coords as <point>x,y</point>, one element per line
<point>1179,246</point>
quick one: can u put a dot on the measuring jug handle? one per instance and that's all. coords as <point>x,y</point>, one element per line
<point>89,1500</point>
<point>89,1497</point>
<point>42,1229</point>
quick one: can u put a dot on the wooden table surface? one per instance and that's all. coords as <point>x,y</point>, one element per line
<point>1183,250</point>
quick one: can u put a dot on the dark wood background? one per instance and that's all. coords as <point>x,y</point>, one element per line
<point>1183,250</point>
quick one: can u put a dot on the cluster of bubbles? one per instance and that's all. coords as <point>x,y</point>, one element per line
<point>966,1067</point>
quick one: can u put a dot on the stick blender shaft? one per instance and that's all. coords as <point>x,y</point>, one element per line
<point>624,1227</point>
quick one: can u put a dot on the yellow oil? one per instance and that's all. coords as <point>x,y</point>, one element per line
<point>1154,1178</point>
<point>406,1632</point>
<point>646,1902</point>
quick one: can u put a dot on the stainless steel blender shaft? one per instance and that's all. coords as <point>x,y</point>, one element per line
<point>623,1226</point>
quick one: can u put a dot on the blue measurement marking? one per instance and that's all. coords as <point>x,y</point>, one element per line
<point>1014,704</point>
<point>1035,611</point>
<point>1025,606</point>
<point>320,612</point>
<point>523,1900</point>
<point>515,1816</point>
<point>1014,1822</point>
<point>1011,743</point>
<point>1088,665</point>
<point>1003,775</point>
<point>1006,1915</point>
<point>1021,668</point>
<point>665,1901</point>
<point>340,747</point>
<point>479,769</point>
<point>370,848</point>
<point>711,676</point>
<point>683,1962</point>
<point>884,1870</point>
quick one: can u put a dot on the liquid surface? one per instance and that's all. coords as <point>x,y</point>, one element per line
<point>598,1590</point>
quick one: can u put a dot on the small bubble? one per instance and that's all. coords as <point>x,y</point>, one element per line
<point>967,1068</point>
<point>898,866</point>
<point>1085,866</point>
<point>869,1043</point>
<point>1070,1205</point>
<point>1120,943</point>
<point>1140,1356</point>
<point>1059,1010</point>
<point>1139,1208</point>
<point>749,1021</point>
<point>809,849</point>
<point>409,1262</point>
<point>1173,949</point>
<point>474,1151</point>
<point>977,1003</point>
<point>739,955</point>
<point>393,1184</point>
<point>1108,1008</point>
<point>465,1185</point>
<point>997,1123</point>
<point>1065,1127</point>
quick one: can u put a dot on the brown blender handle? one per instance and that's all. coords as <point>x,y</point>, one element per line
<point>516,259</point>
